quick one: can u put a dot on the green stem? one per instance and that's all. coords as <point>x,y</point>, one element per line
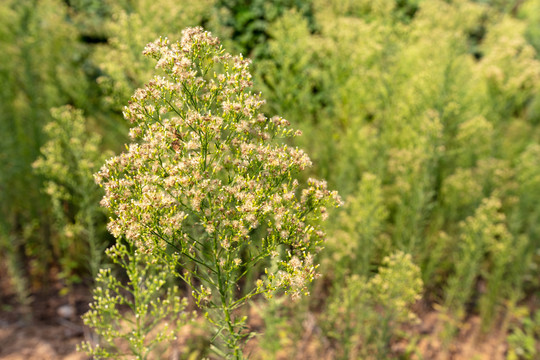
<point>232,338</point>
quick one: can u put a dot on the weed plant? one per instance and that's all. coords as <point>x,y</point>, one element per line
<point>524,335</point>
<point>210,190</point>
<point>366,314</point>
<point>140,318</point>
<point>358,241</point>
<point>36,75</point>
<point>443,120</point>
<point>68,161</point>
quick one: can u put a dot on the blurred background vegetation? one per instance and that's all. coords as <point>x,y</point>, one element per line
<point>423,114</point>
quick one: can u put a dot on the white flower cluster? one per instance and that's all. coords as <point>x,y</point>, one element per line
<point>207,170</point>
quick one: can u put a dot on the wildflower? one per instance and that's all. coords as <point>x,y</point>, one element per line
<point>208,170</point>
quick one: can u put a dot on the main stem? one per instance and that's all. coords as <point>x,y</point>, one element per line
<point>232,339</point>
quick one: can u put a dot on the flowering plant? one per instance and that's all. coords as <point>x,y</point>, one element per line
<point>208,187</point>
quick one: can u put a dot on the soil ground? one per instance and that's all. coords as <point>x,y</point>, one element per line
<point>49,329</point>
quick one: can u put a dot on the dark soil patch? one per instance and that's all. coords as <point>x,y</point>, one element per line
<point>48,329</point>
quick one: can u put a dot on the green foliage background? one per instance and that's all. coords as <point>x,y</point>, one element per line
<point>424,115</point>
